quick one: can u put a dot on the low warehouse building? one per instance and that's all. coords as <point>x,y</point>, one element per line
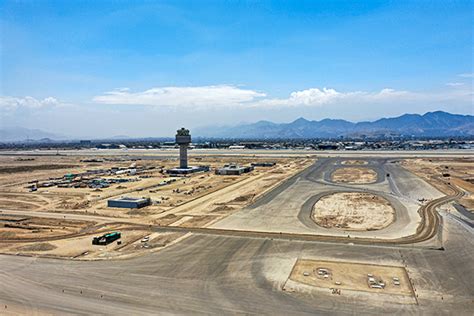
<point>128,202</point>
<point>233,169</point>
<point>182,171</point>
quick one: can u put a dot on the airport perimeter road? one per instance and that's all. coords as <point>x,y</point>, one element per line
<point>231,275</point>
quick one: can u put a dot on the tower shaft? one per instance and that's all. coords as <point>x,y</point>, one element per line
<point>183,156</point>
<point>183,139</point>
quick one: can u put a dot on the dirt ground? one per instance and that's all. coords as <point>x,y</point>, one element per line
<point>196,200</point>
<point>14,194</point>
<point>351,276</point>
<point>215,205</point>
<point>81,247</point>
<point>353,211</point>
<point>12,227</point>
<point>354,175</point>
<point>354,162</point>
<point>459,172</point>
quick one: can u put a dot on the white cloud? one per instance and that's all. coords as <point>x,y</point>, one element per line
<point>312,96</point>
<point>12,103</point>
<point>203,96</point>
<point>466,75</point>
<point>226,95</point>
<point>319,97</point>
<point>455,84</point>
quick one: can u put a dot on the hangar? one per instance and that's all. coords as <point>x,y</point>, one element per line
<point>129,202</point>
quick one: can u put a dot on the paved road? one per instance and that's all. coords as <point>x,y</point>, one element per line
<point>232,275</point>
<point>288,207</point>
<point>461,209</point>
<point>219,274</point>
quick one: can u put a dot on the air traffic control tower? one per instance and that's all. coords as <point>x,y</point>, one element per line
<point>183,139</point>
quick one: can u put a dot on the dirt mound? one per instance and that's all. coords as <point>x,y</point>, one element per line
<point>44,246</point>
<point>354,162</point>
<point>243,198</point>
<point>74,206</point>
<point>222,208</point>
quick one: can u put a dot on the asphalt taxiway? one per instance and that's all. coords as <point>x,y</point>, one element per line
<point>212,273</point>
<point>288,208</point>
<point>235,275</point>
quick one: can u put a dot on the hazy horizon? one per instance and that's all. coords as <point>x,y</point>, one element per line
<point>143,69</point>
<point>195,131</point>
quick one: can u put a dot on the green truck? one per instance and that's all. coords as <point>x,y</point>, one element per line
<point>106,239</point>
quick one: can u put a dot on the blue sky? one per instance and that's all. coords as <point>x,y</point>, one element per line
<point>143,68</point>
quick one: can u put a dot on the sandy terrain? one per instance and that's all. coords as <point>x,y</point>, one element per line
<point>353,211</point>
<point>196,200</point>
<point>81,247</point>
<point>37,227</point>
<point>15,195</point>
<point>233,272</point>
<point>468,186</point>
<point>351,276</point>
<point>458,171</point>
<point>239,192</point>
<point>354,175</point>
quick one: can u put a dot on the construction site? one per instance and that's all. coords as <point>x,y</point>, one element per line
<point>368,229</point>
<point>78,189</point>
<point>350,276</point>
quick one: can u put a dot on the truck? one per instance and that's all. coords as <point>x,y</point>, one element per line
<point>106,238</point>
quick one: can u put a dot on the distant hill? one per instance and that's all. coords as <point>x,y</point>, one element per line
<point>118,137</point>
<point>431,124</point>
<point>15,134</point>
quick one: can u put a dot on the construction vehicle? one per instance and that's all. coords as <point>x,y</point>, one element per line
<point>106,239</point>
<point>375,283</point>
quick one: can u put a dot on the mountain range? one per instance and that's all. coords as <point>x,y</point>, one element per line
<point>431,124</point>
<point>12,134</point>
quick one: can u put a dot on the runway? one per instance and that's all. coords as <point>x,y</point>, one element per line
<point>229,275</point>
<point>171,153</point>
<point>287,208</point>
